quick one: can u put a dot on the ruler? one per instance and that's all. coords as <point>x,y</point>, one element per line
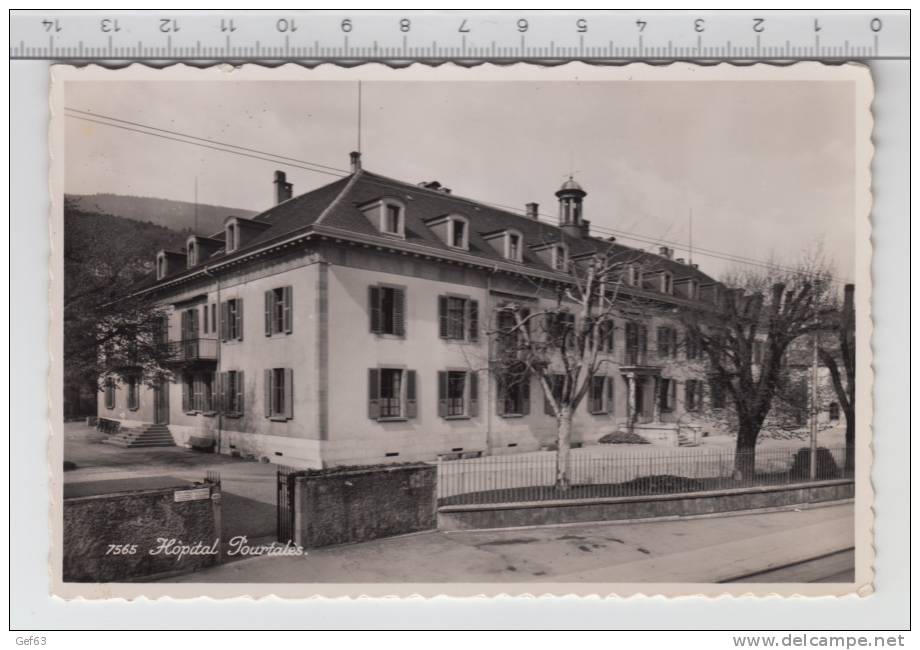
<point>317,36</point>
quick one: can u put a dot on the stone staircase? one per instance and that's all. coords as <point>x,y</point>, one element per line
<point>683,440</point>
<point>148,435</point>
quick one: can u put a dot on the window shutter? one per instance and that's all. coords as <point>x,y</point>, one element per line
<point>183,325</point>
<point>411,402</point>
<point>608,387</point>
<point>289,393</point>
<point>442,394</point>
<point>193,322</point>
<point>221,378</point>
<point>399,308</point>
<point>473,319</point>
<point>673,389</point>
<point>240,392</point>
<point>267,391</point>
<point>500,397</point>
<point>288,310</point>
<point>525,396</point>
<point>373,393</point>
<point>474,395</point>
<point>204,320</point>
<point>269,300</point>
<point>442,316</point>
<point>224,320</point>
<point>373,300</point>
<point>239,319</point>
<point>185,395</point>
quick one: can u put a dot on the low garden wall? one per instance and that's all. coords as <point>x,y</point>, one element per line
<point>127,536</point>
<point>507,515</point>
<point>357,505</point>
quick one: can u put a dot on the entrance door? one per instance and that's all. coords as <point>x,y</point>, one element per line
<point>161,403</point>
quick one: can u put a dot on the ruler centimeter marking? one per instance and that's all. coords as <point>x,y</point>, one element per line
<point>355,37</point>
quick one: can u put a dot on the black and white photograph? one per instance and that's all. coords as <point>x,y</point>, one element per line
<point>378,331</point>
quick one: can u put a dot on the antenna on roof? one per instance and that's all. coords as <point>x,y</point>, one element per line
<point>690,247</point>
<point>359,117</point>
<point>196,205</point>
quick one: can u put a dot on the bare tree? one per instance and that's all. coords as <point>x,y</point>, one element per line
<point>768,310</point>
<point>842,325</point>
<point>561,338</point>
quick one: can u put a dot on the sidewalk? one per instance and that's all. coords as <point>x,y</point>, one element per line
<point>698,550</point>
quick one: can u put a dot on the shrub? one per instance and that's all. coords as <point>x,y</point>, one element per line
<point>826,465</point>
<point>623,438</point>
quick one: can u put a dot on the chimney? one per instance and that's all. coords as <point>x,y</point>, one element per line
<point>664,251</point>
<point>680,260</point>
<point>585,228</point>
<point>355,157</point>
<point>533,211</point>
<point>694,266</point>
<point>283,189</point>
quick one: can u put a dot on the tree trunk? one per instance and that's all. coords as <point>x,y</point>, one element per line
<point>850,439</point>
<point>564,444</point>
<point>745,448</point>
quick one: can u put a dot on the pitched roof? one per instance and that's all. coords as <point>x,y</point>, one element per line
<point>336,205</point>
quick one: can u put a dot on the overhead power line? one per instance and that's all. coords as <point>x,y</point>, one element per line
<point>297,163</point>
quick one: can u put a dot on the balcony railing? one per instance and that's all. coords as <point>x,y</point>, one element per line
<point>193,349</point>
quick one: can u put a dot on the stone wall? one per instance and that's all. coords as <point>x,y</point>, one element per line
<point>138,523</point>
<point>338,507</point>
<point>509,515</point>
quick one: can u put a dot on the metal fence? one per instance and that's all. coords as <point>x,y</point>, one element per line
<point>597,472</point>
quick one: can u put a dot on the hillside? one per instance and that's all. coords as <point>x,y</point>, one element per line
<point>175,215</point>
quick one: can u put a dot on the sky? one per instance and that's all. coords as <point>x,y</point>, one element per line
<point>765,168</point>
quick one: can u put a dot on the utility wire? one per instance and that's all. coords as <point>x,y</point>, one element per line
<point>319,168</point>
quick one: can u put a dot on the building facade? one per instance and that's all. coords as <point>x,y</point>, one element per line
<point>354,324</point>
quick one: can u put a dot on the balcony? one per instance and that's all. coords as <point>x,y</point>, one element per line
<point>192,350</point>
<point>637,359</point>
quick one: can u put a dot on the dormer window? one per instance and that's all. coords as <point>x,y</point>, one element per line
<point>693,288</point>
<point>387,215</point>
<point>513,246</point>
<point>560,257</point>
<point>458,233</point>
<point>393,222</point>
<point>633,276</point>
<point>231,237</point>
<point>191,253</point>
<point>667,283</point>
<point>161,266</point>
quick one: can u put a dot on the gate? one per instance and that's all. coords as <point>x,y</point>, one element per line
<point>284,498</point>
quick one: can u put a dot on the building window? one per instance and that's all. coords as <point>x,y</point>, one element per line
<point>667,342</point>
<point>387,310</point>
<point>692,344</point>
<point>458,394</point>
<point>392,220</point>
<point>205,320</point>
<point>391,394</point>
<point>278,312</point>
<point>279,393</point>
<point>633,276</point>
<point>560,325</point>
<point>716,393</point>
<point>232,392</point>
<point>161,266</point>
<point>693,289</point>
<point>191,254</point>
<point>605,334</point>
<point>667,394</point>
<point>513,243</point>
<point>560,258</point>
<point>133,394</point>
<point>556,386</point>
<point>110,393</point>
<point>514,393</point>
<point>636,344</point>
<point>692,395</point>
<point>458,318</point>
<point>601,402</point>
<point>833,411</point>
<point>230,237</point>
<point>458,233</point>
<point>667,283</point>
<point>231,320</point>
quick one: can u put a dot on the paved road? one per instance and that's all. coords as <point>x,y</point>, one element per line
<point>699,550</point>
<point>835,567</point>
